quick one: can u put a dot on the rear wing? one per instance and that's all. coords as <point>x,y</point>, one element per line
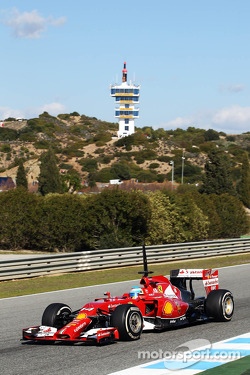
<point>210,278</point>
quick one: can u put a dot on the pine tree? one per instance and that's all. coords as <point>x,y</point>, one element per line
<point>49,180</point>
<point>21,179</point>
<point>217,178</point>
<point>243,187</point>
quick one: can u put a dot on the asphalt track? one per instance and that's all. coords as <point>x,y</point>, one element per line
<point>37,359</point>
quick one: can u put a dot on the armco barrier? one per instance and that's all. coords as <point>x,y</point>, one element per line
<point>113,258</point>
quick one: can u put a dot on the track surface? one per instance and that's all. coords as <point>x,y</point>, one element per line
<point>38,359</point>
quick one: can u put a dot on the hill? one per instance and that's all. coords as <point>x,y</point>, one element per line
<point>90,148</point>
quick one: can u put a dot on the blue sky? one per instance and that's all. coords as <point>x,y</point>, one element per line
<point>191,58</point>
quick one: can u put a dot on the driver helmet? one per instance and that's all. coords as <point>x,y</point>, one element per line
<point>135,291</point>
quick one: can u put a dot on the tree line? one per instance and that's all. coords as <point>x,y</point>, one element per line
<point>57,220</point>
<point>116,218</point>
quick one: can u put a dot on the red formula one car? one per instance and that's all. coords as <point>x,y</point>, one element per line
<point>159,303</point>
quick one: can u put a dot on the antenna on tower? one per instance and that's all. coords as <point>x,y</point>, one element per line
<point>124,72</point>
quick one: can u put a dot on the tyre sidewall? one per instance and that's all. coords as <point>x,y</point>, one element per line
<point>121,320</point>
<point>53,312</point>
<point>131,312</point>
<point>215,305</point>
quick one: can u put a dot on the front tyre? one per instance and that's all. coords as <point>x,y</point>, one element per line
<point>129,322</point>
<point>56,315</point>
<point>220,305</point>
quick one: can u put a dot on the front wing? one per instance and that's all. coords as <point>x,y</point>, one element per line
<point>96,335</point>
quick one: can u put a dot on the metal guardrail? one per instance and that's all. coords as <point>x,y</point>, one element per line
<point>113,258</point>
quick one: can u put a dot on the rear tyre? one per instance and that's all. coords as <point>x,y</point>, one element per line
<point>56,315</point>
<point>129,322</point>
<point>220,305</point>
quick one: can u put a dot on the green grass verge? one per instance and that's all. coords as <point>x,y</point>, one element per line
<point>79,279</point>
<point>239,367</point>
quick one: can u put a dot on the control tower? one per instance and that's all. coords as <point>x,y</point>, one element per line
<point>126,97</point>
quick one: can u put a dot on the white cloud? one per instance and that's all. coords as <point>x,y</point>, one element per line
<point>180,122</point>
<point>6,112</point>
<point>53,109</point>
<point>234,119</point>
<point>234,115</point>
<point>29,25</point>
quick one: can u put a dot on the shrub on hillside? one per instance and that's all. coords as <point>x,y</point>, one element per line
<point>104,175</point>
<point>8,134</point>
<point>154,165</point>
<point>5,148</point>
<point>121,171</point>
<point>146,176</point>
<point>211,135</point>
<point>102,138</point>
<point>74,149</point>
<point>88,164</point>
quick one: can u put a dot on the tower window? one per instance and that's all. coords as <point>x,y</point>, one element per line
<point>126,121</point>
<point>126,127</point>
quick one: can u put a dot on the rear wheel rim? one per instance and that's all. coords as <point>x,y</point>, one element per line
<point>228,306</point>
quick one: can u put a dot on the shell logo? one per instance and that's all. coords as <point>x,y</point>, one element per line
<point>168,308</point>
<point>81,316</point>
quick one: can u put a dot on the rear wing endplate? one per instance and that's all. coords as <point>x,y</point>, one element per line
<point>210,278</point>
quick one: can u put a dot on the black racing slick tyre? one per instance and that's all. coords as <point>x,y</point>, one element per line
<point>129,322</point>
<point>220,305</point>
<point>56,315</point>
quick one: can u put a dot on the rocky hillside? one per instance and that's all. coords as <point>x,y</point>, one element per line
<point>90,147</point>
